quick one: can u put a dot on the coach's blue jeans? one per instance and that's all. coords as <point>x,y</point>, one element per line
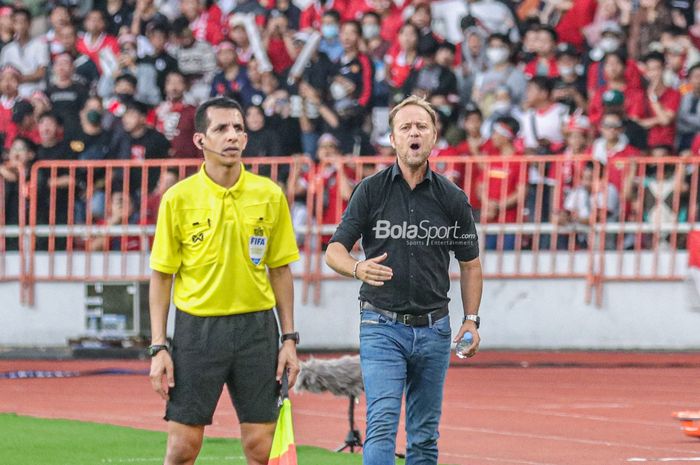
<point>397,358</point>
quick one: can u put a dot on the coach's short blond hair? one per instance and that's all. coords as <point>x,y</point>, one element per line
<point>413,100</point>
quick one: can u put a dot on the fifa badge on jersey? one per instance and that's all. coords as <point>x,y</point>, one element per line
<point>257,245</point>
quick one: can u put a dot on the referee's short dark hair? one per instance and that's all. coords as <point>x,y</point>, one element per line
<point>201,119</point>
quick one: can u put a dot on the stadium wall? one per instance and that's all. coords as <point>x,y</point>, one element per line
<point>516,314</point>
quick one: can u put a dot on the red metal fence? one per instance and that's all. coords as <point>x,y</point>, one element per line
<point>538,217</point>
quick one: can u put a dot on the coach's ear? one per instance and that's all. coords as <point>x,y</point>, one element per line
<point>391,141</point>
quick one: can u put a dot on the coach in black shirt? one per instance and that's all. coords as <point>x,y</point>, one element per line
<point>409,219</point>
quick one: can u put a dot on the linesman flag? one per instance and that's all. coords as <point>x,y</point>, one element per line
<point>284,451</point>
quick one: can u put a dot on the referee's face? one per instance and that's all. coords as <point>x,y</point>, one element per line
<point>413,135</point>
<point>225,138</point>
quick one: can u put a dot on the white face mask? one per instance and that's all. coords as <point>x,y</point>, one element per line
<point>338,91</point>
<point>370,31</point>
<point>496,55</point>
<point>500,106</point>
<point>609,44</point>
<point>566,70</point>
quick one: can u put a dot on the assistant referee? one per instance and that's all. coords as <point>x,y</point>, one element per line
<point>220,232</point>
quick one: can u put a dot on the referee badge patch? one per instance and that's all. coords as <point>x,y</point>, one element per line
<point>257,245</point>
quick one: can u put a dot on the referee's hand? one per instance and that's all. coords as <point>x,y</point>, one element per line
<point>162,364</point>
<point>371,272</point>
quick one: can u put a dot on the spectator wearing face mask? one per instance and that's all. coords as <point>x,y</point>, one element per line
<point>570,86</point>
<point>330,36</point>
<point>501,72</point>
<point>611,41</point>
<point>311,16</point>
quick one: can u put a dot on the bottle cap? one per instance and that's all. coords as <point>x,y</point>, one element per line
<point>468,337</point>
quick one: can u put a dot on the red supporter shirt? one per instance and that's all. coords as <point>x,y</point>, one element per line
<point>391,24</point>
<point>279,57</point>
<point>399,68</point>
<point>500,175</point>
<point>311,16</point>
<point>633,105</point>
<point>175,120</point>
<point>664,135</point>
<point>564,173</point>
<point>616,168</point>
<point>695,146</point>
<point>208,26</point>
<point>596,78</point>
<point>104,41</point>
<point>569,26</point>
<point>530,69</point>
<point>133,243</point>
<point>456,172</point>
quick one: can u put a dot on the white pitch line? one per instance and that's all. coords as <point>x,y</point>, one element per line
<point>495,459</point>
<point>664,459</point>
<point>550,413</point>
<point>547,437</point>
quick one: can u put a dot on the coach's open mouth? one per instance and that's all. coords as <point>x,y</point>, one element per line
<point>415,146</point>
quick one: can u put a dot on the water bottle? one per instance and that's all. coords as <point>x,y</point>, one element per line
<point>463,346</point>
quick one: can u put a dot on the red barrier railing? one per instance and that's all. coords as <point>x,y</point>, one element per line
<point>537,216</point>
<point>72,210</point>
<point>525,229</point>
<point>13,195</point>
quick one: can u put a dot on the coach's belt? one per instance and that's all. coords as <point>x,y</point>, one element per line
<point>408,319</point>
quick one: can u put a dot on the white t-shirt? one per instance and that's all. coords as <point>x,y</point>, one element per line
<point>27,60</point>
<point>548,125</point>
<point>580,201</point>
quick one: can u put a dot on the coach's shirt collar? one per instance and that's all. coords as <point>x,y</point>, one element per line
<point>396,172</point>
<point>220,191</point>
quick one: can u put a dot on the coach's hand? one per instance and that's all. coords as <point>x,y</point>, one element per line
<point>371,272</point>
<point>469,327</point>
<point>287,359</point>
<point>162,364</point>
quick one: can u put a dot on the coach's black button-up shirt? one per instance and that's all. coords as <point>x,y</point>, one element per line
<point>417,229</point>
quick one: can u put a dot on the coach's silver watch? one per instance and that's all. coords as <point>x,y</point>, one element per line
<point>475,318</point>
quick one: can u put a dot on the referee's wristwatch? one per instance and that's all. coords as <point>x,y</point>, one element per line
<point>153,349</point>
<point>475,318</point>
<point>290,336</point>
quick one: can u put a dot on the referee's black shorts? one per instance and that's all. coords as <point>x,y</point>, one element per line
<point>237,350</point>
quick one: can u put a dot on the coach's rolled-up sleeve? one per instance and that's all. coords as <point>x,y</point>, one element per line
<point>355,217</point>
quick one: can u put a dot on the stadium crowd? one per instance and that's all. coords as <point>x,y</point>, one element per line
<point>121,79</point>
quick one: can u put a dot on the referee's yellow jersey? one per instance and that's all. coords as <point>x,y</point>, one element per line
<point>217,242</point>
